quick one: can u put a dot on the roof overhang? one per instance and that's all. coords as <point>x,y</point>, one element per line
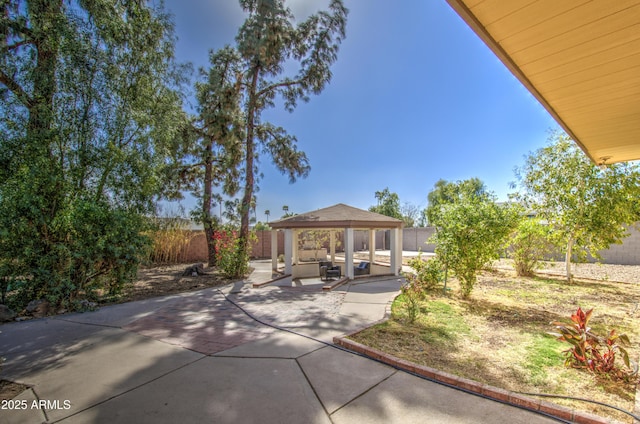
<point>579,58</point>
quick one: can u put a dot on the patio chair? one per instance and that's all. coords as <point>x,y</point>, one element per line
<point>361,269</point>
<point>328,270</point>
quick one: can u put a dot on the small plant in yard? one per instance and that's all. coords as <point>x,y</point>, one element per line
<point>412,294</point>
<point>428,274</point>
<point>593,352</point>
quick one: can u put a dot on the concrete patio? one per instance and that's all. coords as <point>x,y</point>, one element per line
<point>197,357</point>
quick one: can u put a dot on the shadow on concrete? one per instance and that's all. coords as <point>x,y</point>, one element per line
<point>153,369</point>
<point>87,369</point>
<point>318,385</point>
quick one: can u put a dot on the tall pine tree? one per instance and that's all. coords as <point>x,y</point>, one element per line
<point>266,41</point>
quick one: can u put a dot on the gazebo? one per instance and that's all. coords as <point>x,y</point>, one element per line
<point>335,219</point>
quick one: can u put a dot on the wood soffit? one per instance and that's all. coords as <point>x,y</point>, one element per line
<point>579,58</point>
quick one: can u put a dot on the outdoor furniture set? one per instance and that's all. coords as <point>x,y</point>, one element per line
<point>328,270</point>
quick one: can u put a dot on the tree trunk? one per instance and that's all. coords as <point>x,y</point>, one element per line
<point>207,203</point>
<point>567,259</point>
<point>209,233</point>
<point>249,164</point>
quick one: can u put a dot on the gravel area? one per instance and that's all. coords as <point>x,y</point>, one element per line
<point>593,271</point>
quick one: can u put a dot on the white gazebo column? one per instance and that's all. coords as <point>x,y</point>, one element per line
<point>400,243</point>
<point>348,252</point>
<point>274,249</point>
<point>288,250</point>
<point>396,251</point>
<point>295,238</point>
<point>332,245</point>
<point>372,247</point>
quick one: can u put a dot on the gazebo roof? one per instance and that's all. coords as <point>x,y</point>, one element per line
<point>338,216</point>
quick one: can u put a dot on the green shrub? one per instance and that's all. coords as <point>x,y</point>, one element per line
<point>428,273</point>
<point>230,258</point>
<point>92,248</point>
<point>470,231</point>
<point>529,244</point>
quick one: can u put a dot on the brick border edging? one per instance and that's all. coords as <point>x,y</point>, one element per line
<point>338,283</point>
<point>500,395</point>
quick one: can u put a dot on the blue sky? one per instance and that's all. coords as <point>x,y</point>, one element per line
<point>415,97</point>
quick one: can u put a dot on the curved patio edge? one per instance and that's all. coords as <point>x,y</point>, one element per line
<point>474,387</point>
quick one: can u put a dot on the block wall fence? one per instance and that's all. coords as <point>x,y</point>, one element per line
<point>413,239</point>
<point>627,253</point>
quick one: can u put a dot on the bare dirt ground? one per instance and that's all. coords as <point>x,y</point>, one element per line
<point>168,279</point>
<point>590,271</point>
<point>9,389</point>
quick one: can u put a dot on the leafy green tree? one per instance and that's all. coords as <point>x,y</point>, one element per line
<point>388,204</point>
<point>90,110</point>
<point>246,80</point>
<point>471,229</point>
<point>423,221</point>
<point>445,192</point>
<point>267,41</point>
<point>589,207</point>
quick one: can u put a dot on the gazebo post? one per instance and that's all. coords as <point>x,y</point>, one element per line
<point>332,244</point>
<point>396,251</point>
<point>348,252</point>
<point>274,250</point>
<point>294,246</point>
<point>288,251</point>
<point>372,246</point>
<point>400,243</point>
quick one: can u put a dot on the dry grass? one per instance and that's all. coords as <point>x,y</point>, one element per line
<point>498,337</point>
<point>170,241</point>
